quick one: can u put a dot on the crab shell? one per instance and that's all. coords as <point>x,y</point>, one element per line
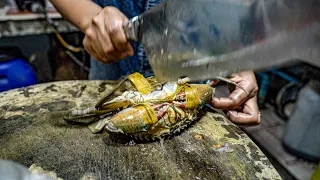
<point>158,116</point>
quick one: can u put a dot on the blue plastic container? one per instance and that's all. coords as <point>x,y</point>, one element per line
<point>16,73</point>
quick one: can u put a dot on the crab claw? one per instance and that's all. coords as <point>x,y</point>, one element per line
<point>111,128</point>
<point>97,126</point>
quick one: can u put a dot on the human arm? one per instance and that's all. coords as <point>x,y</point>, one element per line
<point>78,12</point>
<point>104,36</point>
<point>241,106</point>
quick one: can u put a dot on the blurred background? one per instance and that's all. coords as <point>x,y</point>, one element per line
<point>29,39</point>
<point>39,47</point>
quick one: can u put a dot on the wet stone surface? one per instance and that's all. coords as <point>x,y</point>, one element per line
<point>34,132</point>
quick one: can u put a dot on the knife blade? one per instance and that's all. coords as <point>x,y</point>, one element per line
<point>283,49</point>
<point>207,38</point>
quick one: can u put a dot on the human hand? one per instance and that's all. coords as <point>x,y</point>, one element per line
<point>105,39</point>
<point>241,106</point>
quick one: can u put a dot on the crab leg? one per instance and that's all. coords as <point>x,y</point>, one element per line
<point>106,97</point>
<point>85,114</point>
<point>231,82</point>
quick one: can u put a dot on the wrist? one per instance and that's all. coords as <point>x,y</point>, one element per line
<point>86,22</point>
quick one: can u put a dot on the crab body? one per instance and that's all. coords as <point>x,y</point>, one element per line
<point>147,110</point>
<point>157,117</point>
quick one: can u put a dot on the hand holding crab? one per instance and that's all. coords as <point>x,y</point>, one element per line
<point>241,106</point>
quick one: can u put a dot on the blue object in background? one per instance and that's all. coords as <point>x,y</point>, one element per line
<point>16,73</point>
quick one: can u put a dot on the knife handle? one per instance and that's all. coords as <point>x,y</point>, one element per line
<point>132,29</point>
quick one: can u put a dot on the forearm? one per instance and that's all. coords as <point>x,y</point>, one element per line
<point>78,12</point>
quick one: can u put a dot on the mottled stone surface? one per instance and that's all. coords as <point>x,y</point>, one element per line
<point>33,132</point>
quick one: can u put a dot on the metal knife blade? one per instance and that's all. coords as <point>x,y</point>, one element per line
<point>282,49</point>
<point>207,38</point>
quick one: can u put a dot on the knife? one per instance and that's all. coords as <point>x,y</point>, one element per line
<point>204,39</point>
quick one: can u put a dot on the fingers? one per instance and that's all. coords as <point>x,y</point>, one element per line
<point>88,45</point>
<point>117,35</point>
<point>103,45</point>
<point>249,114</point>
<point>236,98</point>
<point>105,39</point>
<point>245,80</point>
<point>214,82</point>
<point>236,77</point>
<point>241,105</point>
<point>106,47</point>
